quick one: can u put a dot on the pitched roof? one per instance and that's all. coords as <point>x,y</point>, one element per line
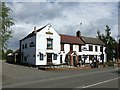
<point>91,40</point>
<point>33,32</point>
<point>70,39</point>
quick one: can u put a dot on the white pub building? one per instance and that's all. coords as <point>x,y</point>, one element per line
<point>45,46</point>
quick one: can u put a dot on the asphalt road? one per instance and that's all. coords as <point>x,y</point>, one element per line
<point>16,76</point>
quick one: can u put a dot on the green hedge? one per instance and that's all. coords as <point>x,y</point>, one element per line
<point>109,64</point>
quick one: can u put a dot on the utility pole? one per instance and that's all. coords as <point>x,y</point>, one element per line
<point>118,48</point>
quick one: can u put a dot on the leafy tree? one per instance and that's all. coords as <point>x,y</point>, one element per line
<point>5,24</point>
<point>109,41</point>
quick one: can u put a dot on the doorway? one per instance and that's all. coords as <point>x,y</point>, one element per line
<point>60,59</point>
<point>49,58</point>
<point>74,60</point>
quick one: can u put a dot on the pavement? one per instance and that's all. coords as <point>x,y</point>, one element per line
<point>17,76</point>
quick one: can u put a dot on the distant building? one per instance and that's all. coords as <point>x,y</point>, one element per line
<point>45,46</point>
<point>76,48</point>
<point>93,47</point>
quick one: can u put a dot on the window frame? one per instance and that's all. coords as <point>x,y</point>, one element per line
<point>41,57</point>
<point>51,40</point>
<point>62,47</point>
<point>80,48</point>
<point>101,49</point>
<point>96,48</point>
<point>90,48</point>
<point>25,45</point>
<point>55,56</point>
<point>71,47</point>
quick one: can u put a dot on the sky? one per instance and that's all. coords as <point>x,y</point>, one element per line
<point>65,17</point>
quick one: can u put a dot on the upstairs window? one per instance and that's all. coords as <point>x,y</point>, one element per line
<point>49,43</point>
<point>25,45</point>
<point>101,49</point>
<point>96,48</point>
<point>71,47</point>
<point>79,48</point>
<point>90,48</point>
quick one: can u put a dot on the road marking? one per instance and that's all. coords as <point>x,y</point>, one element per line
<point>56,78</point>
<point>98,83</point>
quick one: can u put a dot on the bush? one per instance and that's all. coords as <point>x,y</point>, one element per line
<point>109,63</point>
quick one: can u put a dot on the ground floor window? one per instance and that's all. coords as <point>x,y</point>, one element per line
<point>41,56</point>
<point>60,58</point>
<point>55,56</point>
<point>91,57</point>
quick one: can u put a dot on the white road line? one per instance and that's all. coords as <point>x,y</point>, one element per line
<point>98,83</point>
<point>56,78</point>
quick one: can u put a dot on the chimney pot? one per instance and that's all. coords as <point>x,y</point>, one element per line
<point>34,28</point>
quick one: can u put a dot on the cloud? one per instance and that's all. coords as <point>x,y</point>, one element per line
<point>65,17</point>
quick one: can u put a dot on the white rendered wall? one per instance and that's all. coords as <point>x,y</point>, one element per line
<point>41,45</point>
<point>29,52</point>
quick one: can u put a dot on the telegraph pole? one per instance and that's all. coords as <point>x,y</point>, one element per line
<point>118,48</point>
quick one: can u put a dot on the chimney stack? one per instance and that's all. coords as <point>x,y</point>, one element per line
<point>78,34</point>
<point>34,28</point>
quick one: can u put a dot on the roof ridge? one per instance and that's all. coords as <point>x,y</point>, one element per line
<point>68,35</point>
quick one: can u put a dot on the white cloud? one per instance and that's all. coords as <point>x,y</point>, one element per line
<point>64,17</point>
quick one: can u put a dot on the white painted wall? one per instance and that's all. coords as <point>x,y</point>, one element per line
<point>29,52</point>
<point>41,45</point>
<point>98,53</point>
<point>83,52</point>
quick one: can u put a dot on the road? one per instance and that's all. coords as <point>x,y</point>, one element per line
<point>16,76</point>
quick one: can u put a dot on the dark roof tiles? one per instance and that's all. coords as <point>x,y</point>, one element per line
<point>91,40</point>
<point>70,39</point>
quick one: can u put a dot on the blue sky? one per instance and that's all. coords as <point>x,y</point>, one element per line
<point>65,17</point>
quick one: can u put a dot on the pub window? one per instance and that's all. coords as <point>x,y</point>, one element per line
<point>62,47</point>
<point>96,49</point>
<point>41,56</point>
<point>25,45</point>
<point>49,43</point>
<point>91,57</point>
<point>55,56</point>
<point>79,48</point>
<point>101,49</point>
<point>90,48</point>
<point>71,47</point>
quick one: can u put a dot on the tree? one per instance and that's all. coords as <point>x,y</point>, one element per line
<point>5,24</point>
<point>109,41</point>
